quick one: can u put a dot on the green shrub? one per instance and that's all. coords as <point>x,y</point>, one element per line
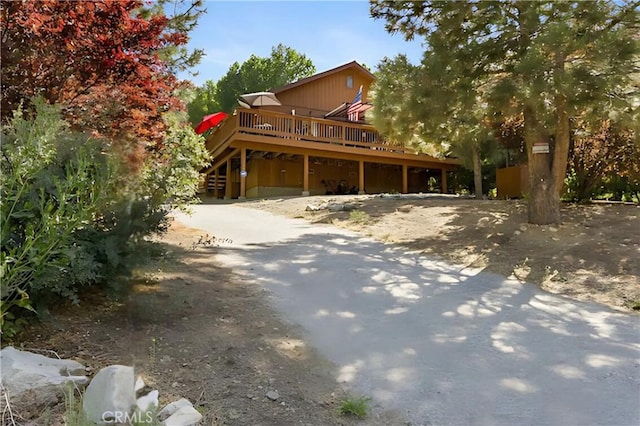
<point>45,200</point>
<point>73,212</point>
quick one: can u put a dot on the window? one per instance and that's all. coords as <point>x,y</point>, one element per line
<point>349,82</point>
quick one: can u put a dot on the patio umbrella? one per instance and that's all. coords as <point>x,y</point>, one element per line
<point>260,99</point>
<point>210,121</point>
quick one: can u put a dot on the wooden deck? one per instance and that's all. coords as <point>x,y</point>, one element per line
<point>285,126</point>
<point>255,130</point>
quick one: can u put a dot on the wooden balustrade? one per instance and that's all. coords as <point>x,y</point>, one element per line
<point>222,133</point>
<point>274,124</point>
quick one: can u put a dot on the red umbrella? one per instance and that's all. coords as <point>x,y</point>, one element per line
<point>210,121</point>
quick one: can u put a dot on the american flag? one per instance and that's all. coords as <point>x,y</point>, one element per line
<point>352,111</point>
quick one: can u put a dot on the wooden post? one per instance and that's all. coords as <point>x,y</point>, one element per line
<point>443,183</point>
<point>361,178</point>
<point>227,183</point>
<point>216,176</point>
<point>243,174</point>
<point>405,180</point>
<point>305,175</point>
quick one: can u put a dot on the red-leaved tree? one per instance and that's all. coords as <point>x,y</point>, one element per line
<point>101,60</point>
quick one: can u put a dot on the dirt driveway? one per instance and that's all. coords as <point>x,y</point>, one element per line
<point>440,344</point>
<point>194,328</point>
<point>593,255</point>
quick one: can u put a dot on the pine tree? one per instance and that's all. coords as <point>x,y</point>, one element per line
<point>549,61</point>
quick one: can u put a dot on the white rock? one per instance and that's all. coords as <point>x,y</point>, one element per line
<point>173,407</point>
<point>148,402</point>
<point>110,395</point>
<point>22,371</point>
<point>185,416</point>
<point>139,384</point>
<point>273,395</point>
<point>316,207</point>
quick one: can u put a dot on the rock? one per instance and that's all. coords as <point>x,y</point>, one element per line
<point>139,384</point>
<point>41,377</point>
<point>110,395</point>
<point>516,232</point>
<point>273,395</point>
<point>185,416</point>
<point>342,207</point>
<point>173,407</point>
<point>317,207</point>
<point>148,402</point>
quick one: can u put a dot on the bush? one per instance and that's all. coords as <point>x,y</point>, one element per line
<point>603,164</point>
<point>73,213</point>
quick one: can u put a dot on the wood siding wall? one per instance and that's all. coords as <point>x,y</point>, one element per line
<point>285,177</point>
<point>318,97</point>
<point>512,182</point>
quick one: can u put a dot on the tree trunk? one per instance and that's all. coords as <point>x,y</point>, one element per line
<point>477,171</point>
<point>544,198</point>
<point>563,130</point>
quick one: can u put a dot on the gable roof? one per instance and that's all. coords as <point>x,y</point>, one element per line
<point>352,64</point>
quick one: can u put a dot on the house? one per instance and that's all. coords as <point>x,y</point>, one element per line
<point>308,145</point>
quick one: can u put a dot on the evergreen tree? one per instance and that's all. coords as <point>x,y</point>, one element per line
<point>256,74</point>
<point>202,101</point>
<point>549,61</point>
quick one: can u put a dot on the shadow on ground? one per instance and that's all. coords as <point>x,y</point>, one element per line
<point>449,344</point>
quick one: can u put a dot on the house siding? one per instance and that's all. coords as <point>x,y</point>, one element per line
<point>318,97</point>
<point>285,177</point>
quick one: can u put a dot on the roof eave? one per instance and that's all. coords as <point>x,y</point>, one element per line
<point>323,74</point>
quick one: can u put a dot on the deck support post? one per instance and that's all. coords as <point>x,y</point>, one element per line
<point>405,180</point>
<point>305,175</point>
<point>243,172</point>
<point>227,182</point>
<point>443,179</point>
<point>216,177</point>
<point>361,177</point>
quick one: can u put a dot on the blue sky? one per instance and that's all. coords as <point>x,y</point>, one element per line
<point>330,33</point>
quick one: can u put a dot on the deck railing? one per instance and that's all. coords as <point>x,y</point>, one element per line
<point>278,125</point>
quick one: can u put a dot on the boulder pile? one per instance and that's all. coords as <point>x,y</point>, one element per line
<point>114,396</point>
